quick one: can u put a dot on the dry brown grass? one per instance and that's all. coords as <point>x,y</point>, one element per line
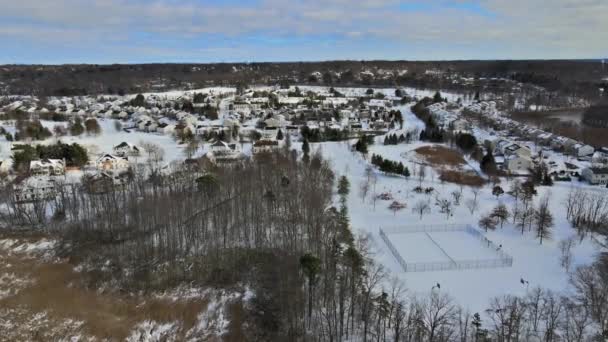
<point>440,155</point>
<point>462,178</point>
<point>56,289</point>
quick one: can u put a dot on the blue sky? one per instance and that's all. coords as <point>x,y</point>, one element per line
<point>138,31</point>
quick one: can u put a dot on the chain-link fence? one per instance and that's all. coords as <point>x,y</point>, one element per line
<point>502,259</point>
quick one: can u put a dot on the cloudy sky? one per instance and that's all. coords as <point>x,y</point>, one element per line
<point>137,31</point>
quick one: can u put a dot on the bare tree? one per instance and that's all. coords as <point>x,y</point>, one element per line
<point>422,207</point>
<point>472,204</point>
<point>440,313</point>
<point>543,219</point>
<point>445,206</point>
<point>421,174</point>
<point>487,222</point>
<point>457,196</point>
<point>565,248</point>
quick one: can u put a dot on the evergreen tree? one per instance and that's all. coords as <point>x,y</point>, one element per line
<point>488,164</point>
<point>76,128</point>
<point>361,145</point>
<point>311,266</point>
<point>437,97</point>
<point>306,150</point>
<point>497,191</point>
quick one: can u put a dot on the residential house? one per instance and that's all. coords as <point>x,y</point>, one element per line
<point>47,167</point>
<point>583,151</point>
<point>126,149</point>
<point>264,146</point>
<point>109,162</point>
<point>35,188</point>
<point>224,153</point>
<point>595,175</point>
<point>517,164</point>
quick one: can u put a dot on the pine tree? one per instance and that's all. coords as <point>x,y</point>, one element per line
<point>437,97</point>
<point>361,145</point>
<point>311,266</point>
<point>305,147</point>
<point>488,164</point>
<point>343,186</point>
<point>497,191</point>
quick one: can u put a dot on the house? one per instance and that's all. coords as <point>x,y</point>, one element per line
<point>126,149</point>
<point>109,162</point>
<point>292,129</point>
<point>224,153</point>
<point>582,151</point>
<point>269,133</point>
<point>518,164</point>
<point>595,175</point>
<point>34,189</point>
<point>510,149</point>
<point>265,146</point>
<point>6,165</point>
<point>47,167</point>
<point>459,125</point>
<point>104,182</point>
<point>355,126</point>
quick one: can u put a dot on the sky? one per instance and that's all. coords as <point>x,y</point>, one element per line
<point>137,31</point>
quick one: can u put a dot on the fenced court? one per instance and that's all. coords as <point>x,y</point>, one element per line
<point>442,247</point>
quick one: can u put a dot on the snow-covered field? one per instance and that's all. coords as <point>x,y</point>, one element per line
<point>538,264</point>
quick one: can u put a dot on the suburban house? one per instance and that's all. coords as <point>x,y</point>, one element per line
<point>103,182</point>
<point>35,188</point>
<point>223,152</point>
<point>47,167</point>
<point>109,162</point>
<point>518,164</point>
<point>583,151</point>
<point>595,175</point>
<point>6,165</point>
<point>126,149</point>
<point>460,125</point>
<point>262,146</point>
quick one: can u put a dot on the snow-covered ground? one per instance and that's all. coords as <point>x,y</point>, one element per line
<point>538,264</point>
<point>104,142</point>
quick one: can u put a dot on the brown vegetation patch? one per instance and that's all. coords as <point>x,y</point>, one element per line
<point>52,303</point>
<point>461,177</point>
<point>440,155</point>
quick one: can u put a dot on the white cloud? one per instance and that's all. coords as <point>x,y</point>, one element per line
<point>520,28</point>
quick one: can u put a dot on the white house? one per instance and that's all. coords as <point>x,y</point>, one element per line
<point>35,188</point>
<point>583,150</point>
<point>6,165</point>
<point>48,167</point>
<point>126,149</point>
<point>595,175</point>
<point>518,164</point>
<point>109,162</point>
<point>222,152</point>
<point>262,146</point>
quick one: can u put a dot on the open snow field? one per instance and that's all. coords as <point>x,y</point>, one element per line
<point>473,288</point>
